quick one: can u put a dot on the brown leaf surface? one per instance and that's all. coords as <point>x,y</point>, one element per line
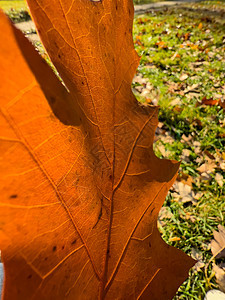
<point>218,243</point>
<point>219,271</point>
<point>80,185</point>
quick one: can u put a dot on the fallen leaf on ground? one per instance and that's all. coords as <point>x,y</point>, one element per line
<point>183,193</point>
<point>191,88</point>
<point>207,167</point>
<point>185,178</point>
<point>176,101</point>
<point>197,255</point>
<point>186,139</point>
<point>220,159</point>
<point>205,176</point>
<point>185,155</point>
<point>219,179</point>
<point>167,138</point>
<point>219,271</point>
<point>162,149</point>
<point>197,147</point>
<point>218,243</point>
<point>200,26</point>
<point>210,101</point>
<point>189,216</point>
<point>164,213</point>
<point>183,77</point>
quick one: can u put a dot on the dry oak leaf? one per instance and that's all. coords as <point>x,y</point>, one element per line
<point>219,271</point>
<point>80,185</point>
<point>218,243</point>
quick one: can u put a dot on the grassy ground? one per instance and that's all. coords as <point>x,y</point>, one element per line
<point>182,69</point>
<point>17,4</point>
<point>16,10</point>
<point>146,1</point>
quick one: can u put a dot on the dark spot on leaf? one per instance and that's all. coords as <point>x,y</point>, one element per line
<point>63,247</point>
<point>46,258</point>
<point>59,56</point>
<point>54,248</point>
<point>74,242</point>
<point>29,277</point>
<point>52,99</point>
<point>13,196</point>
<point>150,244</point>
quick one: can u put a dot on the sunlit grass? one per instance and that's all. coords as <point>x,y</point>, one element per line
<point>182,50</point>
<point>17,5</point>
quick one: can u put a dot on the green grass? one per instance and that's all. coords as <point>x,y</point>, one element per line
<point>173,44</point>
<point>16,10</point>
<point>19,5</point>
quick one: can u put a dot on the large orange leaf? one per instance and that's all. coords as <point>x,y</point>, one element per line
<point>80,185</point>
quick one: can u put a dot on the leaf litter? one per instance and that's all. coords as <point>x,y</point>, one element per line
<point>218,251</point>
<point>183,58</point>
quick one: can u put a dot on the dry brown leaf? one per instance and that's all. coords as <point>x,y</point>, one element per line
<point>191,88</point>
<point>187,139</point>
<point>175,102</point>
<point>197,255</point>
<point>189,216</point>
<point>218,243</point>
<point>164,213</point>
<point>185,178</point>
<point>185,155</point>
<point>219,179</point>
<point>220,159</point>
<point>219,271</point>
<point>210,102</point>
<point>207,167</point>
<point>197,147</point>
<point>183,193</point>
<point>80,185</point>
<point>183,77</point>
